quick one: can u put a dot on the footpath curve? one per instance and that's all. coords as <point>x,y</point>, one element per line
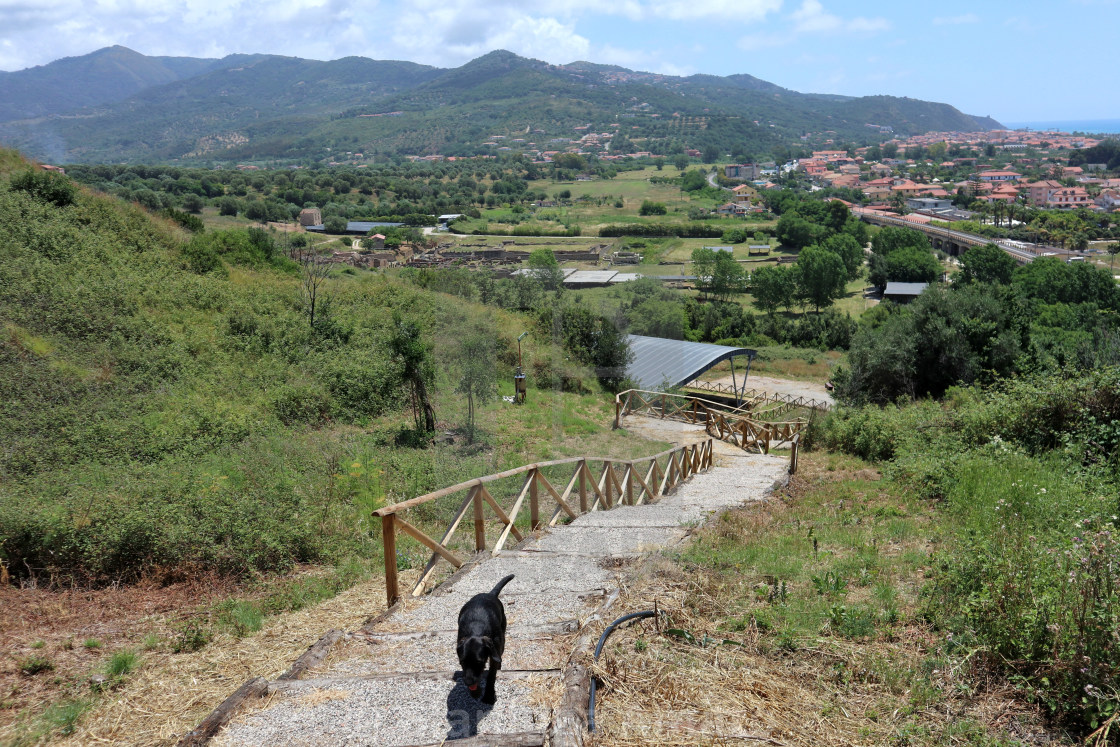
<point>395,680</point>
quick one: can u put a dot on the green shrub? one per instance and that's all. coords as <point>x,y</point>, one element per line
<point>190,637</point>
<point>49,186</point>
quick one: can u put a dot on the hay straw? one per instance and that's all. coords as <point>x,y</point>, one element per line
<point>172,693</point>
<point>677,693</point>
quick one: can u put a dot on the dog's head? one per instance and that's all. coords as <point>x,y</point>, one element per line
<point>473,653</point>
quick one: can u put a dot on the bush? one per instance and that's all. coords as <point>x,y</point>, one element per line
<point>48,186</point>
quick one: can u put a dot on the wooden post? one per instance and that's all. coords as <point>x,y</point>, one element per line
<point>534,506</point>
<point>607,485</point>
<point>629,478</point>
<point>617,413</point>
<point>389,545</point>
<point>582,486</point>
<point>479,524</point>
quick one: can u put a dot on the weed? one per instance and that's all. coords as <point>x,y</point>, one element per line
<point>38,644</point>
<point>830,584</point>
<point>190,637</point>
<point>91,643</point>
<point>121,663</point>
<point>64,716</point>
<point>242,617</point>
<point>35,664</point>
<point>152,641</point>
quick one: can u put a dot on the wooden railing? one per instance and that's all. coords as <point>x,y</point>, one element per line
<point>756,395</point>
<point>732,425</point>
<point>621,482</point>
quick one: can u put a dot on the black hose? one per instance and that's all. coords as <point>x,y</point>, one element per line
<point>599,650</point>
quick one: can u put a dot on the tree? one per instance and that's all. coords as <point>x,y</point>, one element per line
<point>773,286</point>
<point>796,232</point>
<point>912,265</point>
<point>546,269</point>
<point>1113,249</point>
<point>680,160</point>
<point>314,271</point>
<point>849,250</point>
<point>727,276</point>
<point>334,224</point>
<point>229,206</point>
<point>890,238</point>
<point>821,276</point>
<point>987,264</point>
<point>652,208</point>
<point>478,378</point>
<point>417,371</point>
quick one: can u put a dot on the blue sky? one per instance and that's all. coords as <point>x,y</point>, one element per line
<point>1016,60</point>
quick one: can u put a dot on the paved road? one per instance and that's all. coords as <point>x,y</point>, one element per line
<point>395,682</point>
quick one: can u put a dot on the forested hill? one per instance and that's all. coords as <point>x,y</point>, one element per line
<point>105,76</point>
<point>272,107</point>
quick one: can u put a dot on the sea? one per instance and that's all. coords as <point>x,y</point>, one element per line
<point>1088,126</point>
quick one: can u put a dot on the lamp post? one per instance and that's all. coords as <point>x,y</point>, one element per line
<point>519,376</point>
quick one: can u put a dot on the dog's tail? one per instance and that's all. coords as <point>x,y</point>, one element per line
<point>501,585</point>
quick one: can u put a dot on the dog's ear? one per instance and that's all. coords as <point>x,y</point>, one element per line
<point>461,648</point>
<point>491,650</point>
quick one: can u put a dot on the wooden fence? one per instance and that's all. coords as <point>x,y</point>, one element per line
<point>735,426</point>
<point>755,395</point>
<point>621,482</point>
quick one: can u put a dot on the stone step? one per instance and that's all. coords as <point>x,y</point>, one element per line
<point>536,647</point>
<point>396,710</point>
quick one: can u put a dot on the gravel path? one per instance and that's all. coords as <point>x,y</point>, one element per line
<point>397,684</point>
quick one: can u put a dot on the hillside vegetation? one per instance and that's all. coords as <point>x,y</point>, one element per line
<point>258,107</point>
<point>170,407</point>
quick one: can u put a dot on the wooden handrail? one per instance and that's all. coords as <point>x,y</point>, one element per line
<point>729,425</point>
<point>614,487</point>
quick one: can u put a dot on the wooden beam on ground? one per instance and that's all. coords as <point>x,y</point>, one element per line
<point>313,656</point>
<point>221,715</point>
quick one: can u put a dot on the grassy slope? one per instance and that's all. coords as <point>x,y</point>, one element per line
<point>144,439</point>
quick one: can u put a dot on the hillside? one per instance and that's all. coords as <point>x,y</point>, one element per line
<point>105,76</point>
<point>271,107</point>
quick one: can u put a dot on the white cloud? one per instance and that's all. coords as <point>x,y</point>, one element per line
<point>734,11</point>
<point>811,17</point>
<point>956,20</point>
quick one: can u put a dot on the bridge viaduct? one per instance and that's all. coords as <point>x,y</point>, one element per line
<point>956,243</point>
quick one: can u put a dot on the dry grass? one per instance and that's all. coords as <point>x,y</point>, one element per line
<point>174,692</point>
<point>733,680</point>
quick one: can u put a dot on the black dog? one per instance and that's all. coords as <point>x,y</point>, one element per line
<point>482,638</point>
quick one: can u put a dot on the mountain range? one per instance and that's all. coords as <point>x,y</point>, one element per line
<point>116,105</point>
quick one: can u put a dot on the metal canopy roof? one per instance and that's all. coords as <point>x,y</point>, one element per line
<point>895,288</point>
<point>660,363</point>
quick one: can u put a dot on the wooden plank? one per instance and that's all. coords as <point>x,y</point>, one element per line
<point>313,656</point>
<point>645,489</point>
<point>428,542</point>
<point>389,545</point>
<point>569,721</point>
<point>563,627</point>
<point>292,687</point>
<point>431,566</point>
<point>534,501</point>
<point>479,520</point>
<point>501,514</point>
<point>582,472</point>
<point>563,503</point>
<point>221,715</point>
<point>520,739</point>
<point>512,517</point>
